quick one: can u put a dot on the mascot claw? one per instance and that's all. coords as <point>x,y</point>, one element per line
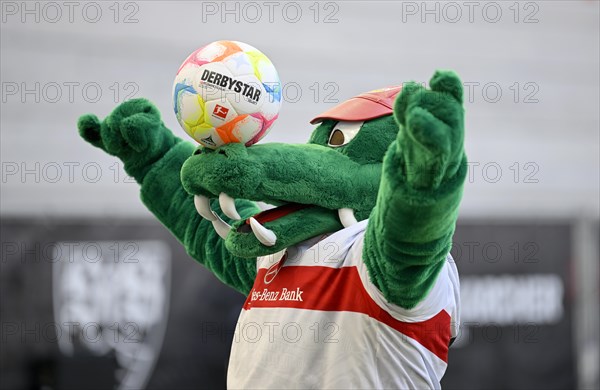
<point>347,217</point>
<point>264,235</point>
<point>221,227</point>
<point>203,207</point>
<point>227,204</point>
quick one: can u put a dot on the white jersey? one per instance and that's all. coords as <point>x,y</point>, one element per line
<point>314,320</point>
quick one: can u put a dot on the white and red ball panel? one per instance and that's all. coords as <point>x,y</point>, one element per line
<point>227,91</point>
<point>219,112</point>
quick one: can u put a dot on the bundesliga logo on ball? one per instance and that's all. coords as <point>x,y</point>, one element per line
<point>227,92</point>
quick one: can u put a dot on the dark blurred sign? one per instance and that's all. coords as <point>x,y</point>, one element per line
<point>113,297</point>
<point>516,320</point>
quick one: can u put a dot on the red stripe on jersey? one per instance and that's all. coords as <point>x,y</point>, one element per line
<point>341,289</point>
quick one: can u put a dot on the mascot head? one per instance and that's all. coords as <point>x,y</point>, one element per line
<point>318,188</point>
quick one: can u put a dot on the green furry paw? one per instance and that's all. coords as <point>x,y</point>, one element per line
<point>431,130</point>
<point>410,230</point>
<point>133,132</point>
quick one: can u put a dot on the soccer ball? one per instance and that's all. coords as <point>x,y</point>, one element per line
<point>226,92</point>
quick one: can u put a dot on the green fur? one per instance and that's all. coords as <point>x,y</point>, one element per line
<point>283,173</point>
<point>133,132</point>
<point>410,230</point>
<point>294,228</point>
<point>156,166</point>
<point>404,172</point>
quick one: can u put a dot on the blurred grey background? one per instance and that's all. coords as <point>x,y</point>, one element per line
<point>531,76</point>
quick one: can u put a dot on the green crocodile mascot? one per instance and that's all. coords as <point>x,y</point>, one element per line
<point>349,281</point>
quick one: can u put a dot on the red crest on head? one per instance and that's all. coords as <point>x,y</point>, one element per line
<point>368,105</point>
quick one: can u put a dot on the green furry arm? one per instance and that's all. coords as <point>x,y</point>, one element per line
<point>410,230</point>
<point>163,194</point>
<point>153,156</point>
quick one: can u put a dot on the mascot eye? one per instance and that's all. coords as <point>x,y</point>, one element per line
<point>343,132</point>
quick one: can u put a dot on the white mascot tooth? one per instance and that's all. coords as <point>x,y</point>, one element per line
<point>203,207</point>
<point>264,235</point>
<point>347,217</point>
<point>221,227</point>
<point>228,206</point>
